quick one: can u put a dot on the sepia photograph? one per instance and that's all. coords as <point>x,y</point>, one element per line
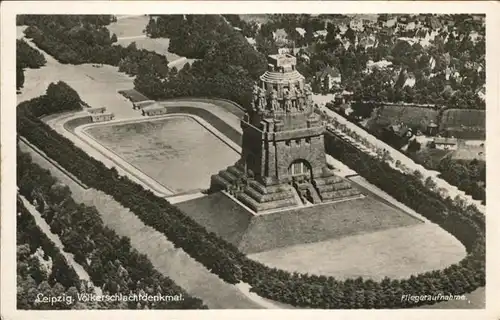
<point>327,160</point>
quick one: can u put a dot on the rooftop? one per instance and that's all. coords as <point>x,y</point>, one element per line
<point>440,140</point>
<point>282,60</point>
<point>332,72</point>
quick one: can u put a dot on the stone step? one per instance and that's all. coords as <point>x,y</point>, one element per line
<point>259,197</point>
<point>334,187</point>
<point>314,195</point>
<point>219,183</point>
<point>336,195</point>
<point>327,180</point>
<point>228,176</point>
<point>235,171</point>
<point>255,206</point>
<point>269,189</point>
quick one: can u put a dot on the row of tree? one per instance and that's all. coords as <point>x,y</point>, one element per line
<point>26,57</point>
<point>301,290</point>
<point>228,64</point>
<point>469,176</point>
<point>41,267</point>
<point>110,260</point>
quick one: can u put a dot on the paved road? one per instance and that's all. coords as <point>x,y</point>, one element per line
<point>42,224</point>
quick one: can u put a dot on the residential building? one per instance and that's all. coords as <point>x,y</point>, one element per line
<point>432,128</point>
<point>301,31</point>
<point>154,110</point>
<point>280,37</point>
<point>328,77</point>
<point>356,24</point>
<point>446,143</point>
<point>142,104</point>
<point>320,34</point>
<point>101,117</point>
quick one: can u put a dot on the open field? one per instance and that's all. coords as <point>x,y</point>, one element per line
<point>464,123</point>
<point>396,253</point>
<point>411,116</point>
<point>178,152</point>
<point>130,29</point>
<point>221,215</point>
<point>129,26</point>
<point>259,18</point>
<point>86,79</point>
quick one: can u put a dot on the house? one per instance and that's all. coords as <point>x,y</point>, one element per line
<point>397,134</point>
<point>251,41</point>
<point>320,34</point>
<point>390,23</point>
<point>328,77</point>
<point>96,110</point>
<point>382,64</point>
<point>356,24</point>
<point>481,93</point>
<point>432,128</point>
<point>367,42</point>
<point>446,143</point>
<point>410,80</point>
<point>101,117</point>
<point>410,26</point>
<point>154,110</point>
<point>142,104</point>
<point>301,31</point>
<point>280,37</point>
<point>434,23</point>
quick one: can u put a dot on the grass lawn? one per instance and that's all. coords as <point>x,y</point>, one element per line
<point>129,26</point>
<point>411,116</point>
<point>306,225</point>
<point>219,214</point>
<point>131,29</point>
<point>158,45</point>
<point>464,123</point>
<point>396,253</point>
<point>177,152</point>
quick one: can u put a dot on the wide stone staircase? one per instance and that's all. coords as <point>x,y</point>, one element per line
<point>334,188</point>
<point>252,193</point>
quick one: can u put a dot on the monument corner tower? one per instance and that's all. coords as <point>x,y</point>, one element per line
<point>283,161</point>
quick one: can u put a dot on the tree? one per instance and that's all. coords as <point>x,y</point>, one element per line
<point>413,146</point>
<point>429,183</point>
<point>19,77</point>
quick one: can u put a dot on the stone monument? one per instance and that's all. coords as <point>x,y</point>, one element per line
<point>283,161</point>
